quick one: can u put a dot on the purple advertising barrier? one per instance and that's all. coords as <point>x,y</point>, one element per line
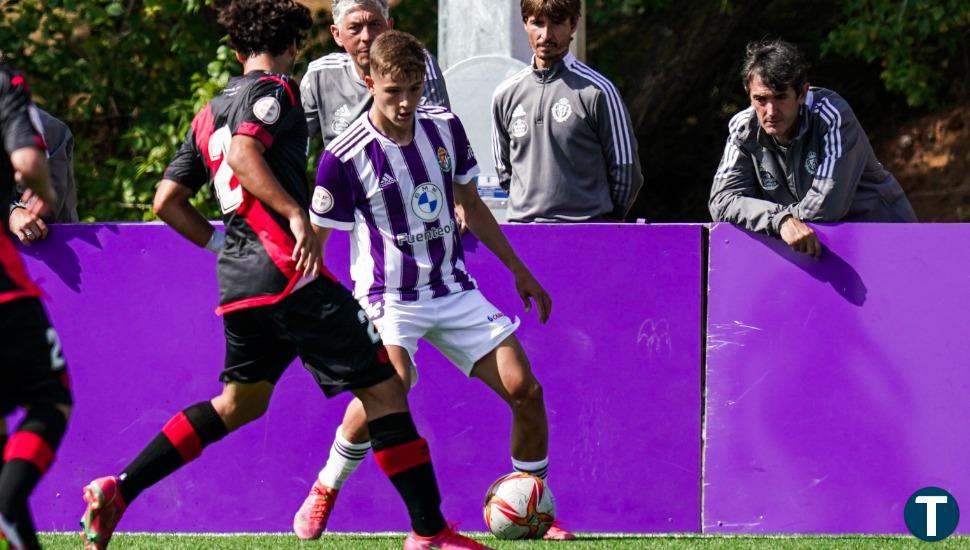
<point>836,387</point>
<point>619,361</point>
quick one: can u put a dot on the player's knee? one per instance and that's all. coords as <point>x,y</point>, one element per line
<point>236,412</point>
<point>527,394</point>
<point>250,411</point>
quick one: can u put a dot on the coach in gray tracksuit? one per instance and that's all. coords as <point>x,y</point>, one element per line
<point>333,89</point>
<point>799,154</point>
<point>563,144</point>
<point>27,226</point>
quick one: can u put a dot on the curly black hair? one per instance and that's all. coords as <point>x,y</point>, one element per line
<point>779,64</point>
<point>265,26</point>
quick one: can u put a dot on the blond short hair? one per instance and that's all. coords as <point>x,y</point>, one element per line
<point>398,55</point>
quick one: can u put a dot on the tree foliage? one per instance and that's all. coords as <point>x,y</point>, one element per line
<point>919,44</point>
<point>128,75</point>
<point>125,76</point>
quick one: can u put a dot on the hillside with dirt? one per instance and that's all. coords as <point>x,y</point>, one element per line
<point>931,158</point>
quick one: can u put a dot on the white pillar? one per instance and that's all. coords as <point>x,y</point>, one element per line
<point>467,28</point>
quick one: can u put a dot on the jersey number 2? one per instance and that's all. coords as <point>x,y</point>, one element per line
<point>371,330</point>
<point>229,198</point>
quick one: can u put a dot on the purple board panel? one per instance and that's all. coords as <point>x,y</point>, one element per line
<point>619,361</point>
<point>835,387</point>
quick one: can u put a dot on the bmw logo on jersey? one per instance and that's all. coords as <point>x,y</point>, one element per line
<point>427,202</point>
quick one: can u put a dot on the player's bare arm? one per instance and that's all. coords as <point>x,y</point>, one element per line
<point>482,224</point>
<point>172,206</point>
<point>323,235</point>
<point>254,174</point>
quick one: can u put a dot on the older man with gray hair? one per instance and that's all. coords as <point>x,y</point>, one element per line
<point>333,89</point>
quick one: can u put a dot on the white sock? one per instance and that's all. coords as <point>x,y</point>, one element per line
<point>539,468</point>
<point>345,457</point>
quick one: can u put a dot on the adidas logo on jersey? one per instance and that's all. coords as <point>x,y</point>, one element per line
<point>387,180</point>
<point>342,112</point>
<point>519,111</point>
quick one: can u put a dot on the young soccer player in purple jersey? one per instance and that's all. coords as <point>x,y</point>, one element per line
<point>393,179</point>
<point>250,142</point>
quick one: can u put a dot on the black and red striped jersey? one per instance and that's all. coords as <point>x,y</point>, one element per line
<point>255,266</point>
<point>19,127</point>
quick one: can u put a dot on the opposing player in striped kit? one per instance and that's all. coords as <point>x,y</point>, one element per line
<point>392,179</point>
<point>250,142</point>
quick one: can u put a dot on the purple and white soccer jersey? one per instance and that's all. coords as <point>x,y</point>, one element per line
<point>398,203</point>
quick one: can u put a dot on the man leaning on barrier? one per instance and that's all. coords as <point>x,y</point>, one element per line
<point>798,154</point>
<point>23,222</point>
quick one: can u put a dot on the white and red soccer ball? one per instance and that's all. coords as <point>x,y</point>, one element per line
<point>519,506</point>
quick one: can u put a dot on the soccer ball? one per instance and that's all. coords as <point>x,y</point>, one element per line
<point>519,506</point>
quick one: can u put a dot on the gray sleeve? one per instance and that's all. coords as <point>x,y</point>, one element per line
<point>734,194</point>
<point>310,101</point>
<point>60,159</point>
<point>500,144</point>
<point>62,178</point>
<point>435,91</point>
<point>619,150</point>
<point>839,169</point>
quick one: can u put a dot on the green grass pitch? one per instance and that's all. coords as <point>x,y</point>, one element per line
<point>340,541</point>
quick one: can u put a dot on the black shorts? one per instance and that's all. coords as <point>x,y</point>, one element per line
<point>322,324</point>
<point>32,369</point>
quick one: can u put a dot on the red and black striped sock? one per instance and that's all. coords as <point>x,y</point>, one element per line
<point>28,454</point>
<point>180,441</point>
<point>404,457</point>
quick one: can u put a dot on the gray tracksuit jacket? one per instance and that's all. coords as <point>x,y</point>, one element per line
<point>563,144</point>
<point>60,159</point>
<point>828,173</point>
<point>334,95</point>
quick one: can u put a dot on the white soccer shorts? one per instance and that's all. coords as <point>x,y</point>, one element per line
<point>464,326</point>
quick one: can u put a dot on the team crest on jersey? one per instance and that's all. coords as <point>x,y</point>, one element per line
<point>768,181</point>
<point>322,200</point>
<point>562,110</point>
<point>444,160</point>
<point>341,119</point>
<point>518,128</point>
<point>811,162</point>
<point>267,109</point>
<point>427,202</point>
